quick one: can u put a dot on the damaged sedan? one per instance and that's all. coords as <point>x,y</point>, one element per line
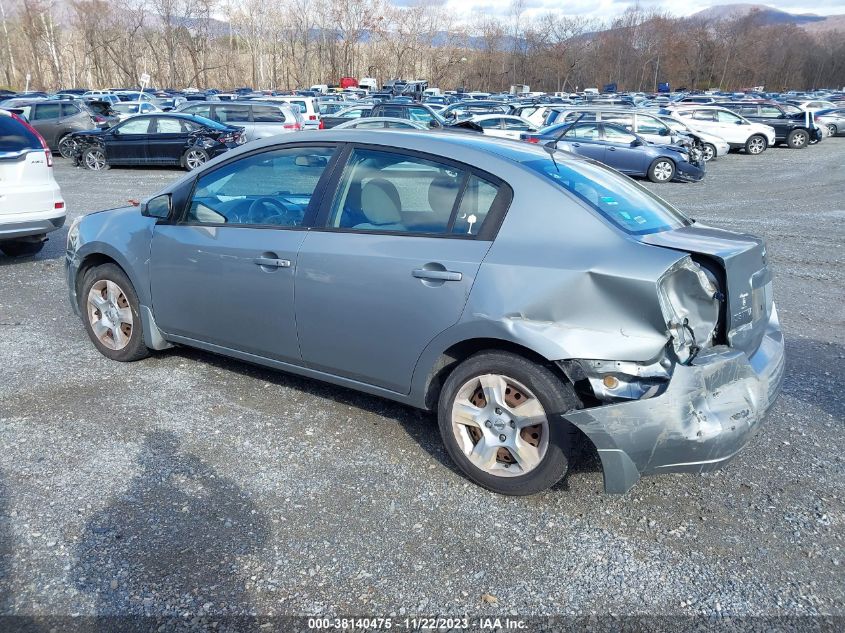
<point>524,295</point>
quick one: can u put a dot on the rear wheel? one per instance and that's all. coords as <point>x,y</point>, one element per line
<point>67,146</point>
<point>756,144</point>
<point>22,248</point>
<point>111,314</point>
<point>661,170</point>
<point>94,158</point>
<point>831,127</point>
<point>708,152</point>
<point>194,157</point>
<point>501,419</point>
<point>797,139</point>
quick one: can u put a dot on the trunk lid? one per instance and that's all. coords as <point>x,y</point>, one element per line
<point>747,282</point>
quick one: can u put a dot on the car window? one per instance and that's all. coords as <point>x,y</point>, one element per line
<point>527,112</point>
<point>622,120</point>
<point>585,131</point>
<point>727,117</point>
<point>626,204</point>
<point>399,124</point>
<point>617,135</point>
<point>169,125</point>
<point>515,124</point>
<point>368,125</point>
<point>232,113</point>
<point>47,111</point>
<point>703,115</point>
<point>69,109</point>
<point>134,126</point>
<point>769,111</point>
<point>267,114</point>
<point>356,113</point>
<point>420,114</point>
<point>199,110</point>
<point>15,136</point>
<point>476,202</point>
<point>271,188</point>
<point>397,112</point>
<point>649,125</point>
<point>490,123</point>
<point>384,191</point>
<point>300,104</point>
<point>147,107</point>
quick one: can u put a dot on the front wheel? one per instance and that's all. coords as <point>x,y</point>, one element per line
<point>501,419</point>
<point>756,144</point>
<point>661,170</point>
<point>94,158</point>
<point>194,157</point>
<point>23,248</point>
<point>831,127</point>
<point>67,146</point>
<point>708,152</point>
<point>797,139</point>
<point>111,314</point>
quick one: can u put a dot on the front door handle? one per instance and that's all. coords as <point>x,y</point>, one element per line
<point>269,262</point>
<point>612,149</point>
<point>437,275</point>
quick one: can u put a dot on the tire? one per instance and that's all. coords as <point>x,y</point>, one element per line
<point>194,158</point>
<point>831,127</point>
<point>94,158</point>
<point>118,305</point>
<point>756,144</point>
<point>661,170</point>
<point>798,139</point>
<point>708,152</point>
<point>544,449</point>
<point>67,146</point>
<point>23,248</point>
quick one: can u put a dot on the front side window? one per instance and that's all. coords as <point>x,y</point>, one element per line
<point>650,125</point>
<point>516,124</point>
<point>586,131</point>
<point>267,114</point>
<point>232,113</point>
<point>397,193</point>
<point>727,117</point>
<point>47,111</point>
<point>614,134</point>
<point>622,120</point>
<point>490,123</point>
<point>420,114</point>
<point>199,110</point>
<point>69,109</point>
<point>770,112</point>
<point>134,126</point>
<point>267,189</point>
<point>704,115</point>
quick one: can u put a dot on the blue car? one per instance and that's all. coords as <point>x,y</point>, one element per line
<point>624,151</point>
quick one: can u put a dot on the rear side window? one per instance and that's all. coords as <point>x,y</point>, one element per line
<point>199,110</point>
<point>69,109</point>
<point>267,114</point>
<point>15,137</point>
<point>232,113</point>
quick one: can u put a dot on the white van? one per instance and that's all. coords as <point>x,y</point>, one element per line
<point>369,84</point>
<point>321,88</point>
<point>308,107</point>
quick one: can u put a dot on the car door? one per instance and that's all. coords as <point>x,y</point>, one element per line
<point>584,139</point>
<point>126,144</point>
<point>223,272</point>
<point>45,119</point>
<point>732,127</point>
<point>624,151</point>
<point>393,263</point>
<point>168,139</point>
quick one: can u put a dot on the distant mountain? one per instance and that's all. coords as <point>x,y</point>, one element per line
<point>770,15</point>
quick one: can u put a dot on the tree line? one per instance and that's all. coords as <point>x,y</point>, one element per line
<point>286,44</point>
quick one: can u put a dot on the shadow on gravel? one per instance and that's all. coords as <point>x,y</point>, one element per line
<point>813,371</point>
<point>165,555</point>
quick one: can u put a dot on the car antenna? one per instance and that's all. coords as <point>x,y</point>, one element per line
<point>551,146</point>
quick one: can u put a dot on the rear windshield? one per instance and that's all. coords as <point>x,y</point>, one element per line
<point>627,204</point>
<point>14,136</point>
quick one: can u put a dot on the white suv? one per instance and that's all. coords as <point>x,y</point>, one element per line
<point>739,132</point>
<point>31,203</point>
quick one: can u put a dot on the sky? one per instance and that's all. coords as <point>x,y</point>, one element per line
<point>605,9</point>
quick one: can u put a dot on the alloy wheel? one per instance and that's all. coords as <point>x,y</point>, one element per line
<point>663,170</point>
<point>67,147</point>
<point>756,145</point>
<point>709,153</point>
<point>109,314</point>
<point>194,158</point>
<point>799,139</point>
<point>95,160</point>
<point>500,425</point>
<point>832,129</point>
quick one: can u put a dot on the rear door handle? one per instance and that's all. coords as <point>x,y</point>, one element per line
<point>269,262</point>
<point>438,275</point>
<point>612,149</point>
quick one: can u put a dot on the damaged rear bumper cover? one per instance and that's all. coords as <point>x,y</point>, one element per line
<point>709,411</point>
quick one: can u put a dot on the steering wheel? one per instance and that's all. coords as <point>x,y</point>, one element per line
<point>288,216</point>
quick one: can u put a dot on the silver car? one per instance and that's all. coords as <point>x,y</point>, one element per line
<point>525,295</point>
<point>259,119</point>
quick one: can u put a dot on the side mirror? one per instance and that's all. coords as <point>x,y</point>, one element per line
<point>636,142</point>
<point>740,122</point>
<point>433,124</point>
<point>159,207</point>
<point>665,131</point>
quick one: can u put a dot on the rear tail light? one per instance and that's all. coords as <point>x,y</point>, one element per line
<point>40,138</point>
<point>533,139</point>
<point>59,205</point>
<point>312,117</point>
<point>322,125</point>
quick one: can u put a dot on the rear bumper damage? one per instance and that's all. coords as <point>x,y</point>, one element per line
<point>707,413</point>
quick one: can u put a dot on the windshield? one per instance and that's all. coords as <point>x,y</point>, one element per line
<point>625,203</point>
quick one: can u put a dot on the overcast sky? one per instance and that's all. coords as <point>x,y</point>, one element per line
<point>605,9</point>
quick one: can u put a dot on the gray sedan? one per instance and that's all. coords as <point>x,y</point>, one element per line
<point>525,295</point>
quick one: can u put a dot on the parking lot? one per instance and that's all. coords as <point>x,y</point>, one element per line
<point>192,486</point>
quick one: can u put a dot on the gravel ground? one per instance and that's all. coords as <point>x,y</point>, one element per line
<point>194,487</point>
